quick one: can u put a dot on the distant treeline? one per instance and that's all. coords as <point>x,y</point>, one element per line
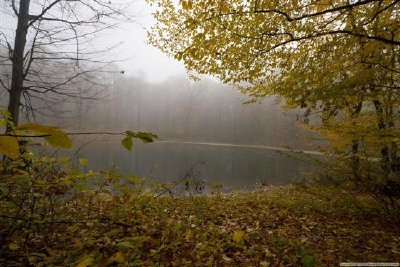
<point>180,109</point>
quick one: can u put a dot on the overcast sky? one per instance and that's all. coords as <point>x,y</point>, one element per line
<point>143,59</point>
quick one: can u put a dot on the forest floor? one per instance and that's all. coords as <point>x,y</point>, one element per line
<point>278,226</point>
<point>272,226</point>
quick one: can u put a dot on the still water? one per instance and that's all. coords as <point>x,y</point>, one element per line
<point>234,167</point>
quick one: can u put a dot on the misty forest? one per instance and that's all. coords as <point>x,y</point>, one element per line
<point>200,133</point>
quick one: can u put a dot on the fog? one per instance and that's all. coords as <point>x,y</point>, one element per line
<point>200,125</point>
<point>203,126</point>
<point>181,109</point>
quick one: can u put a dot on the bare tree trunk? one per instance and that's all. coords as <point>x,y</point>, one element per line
<point>355,157</point>
<point>18,61</point>
<point>385,151</point>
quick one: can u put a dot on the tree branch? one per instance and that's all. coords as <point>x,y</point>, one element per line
<point>14,8</point>
<point>34,18</point>
<point>330,10</point>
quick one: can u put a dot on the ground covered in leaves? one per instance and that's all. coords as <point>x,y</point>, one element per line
<point>273,226</point>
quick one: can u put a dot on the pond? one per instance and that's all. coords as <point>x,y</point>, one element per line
<point>233,166</point>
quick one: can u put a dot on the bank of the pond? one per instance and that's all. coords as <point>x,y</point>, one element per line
<point>272,226</point>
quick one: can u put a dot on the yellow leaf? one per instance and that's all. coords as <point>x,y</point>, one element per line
<point>224,8</point>
<point>238,236</point>
<point>52,135</point>
<point>86,261</point>
<point>185,5</point>
<point>104,197</point>
<point>13,246</point>
<point>117,257</point>
<point>83,161</point>
<point>59,139</point>
<point>9,146</point>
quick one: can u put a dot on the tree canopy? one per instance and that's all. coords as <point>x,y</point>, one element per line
<point>338,59</point>
<point>262,41</point>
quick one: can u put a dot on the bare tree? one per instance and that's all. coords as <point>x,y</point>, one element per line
<point>54,55</point>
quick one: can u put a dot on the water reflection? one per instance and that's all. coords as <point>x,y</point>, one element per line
<point>233,167</point>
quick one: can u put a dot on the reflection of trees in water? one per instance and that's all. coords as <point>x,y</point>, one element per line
<point>190,182</point>
<point>234,168</point>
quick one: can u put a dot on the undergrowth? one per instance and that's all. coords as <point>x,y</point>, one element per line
<point>54,216</point>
